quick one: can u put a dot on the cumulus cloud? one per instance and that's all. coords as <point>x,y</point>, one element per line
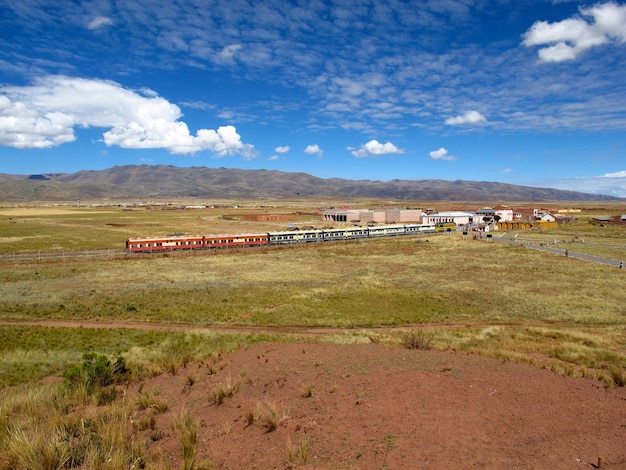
<point>568,39</point>
<point>99,22</point>
<point>469,118</point>
<point>45,114</point>
<point>282,149</point>
<point>314,150</point>
<point>373,147</point>
<point>442,154</point>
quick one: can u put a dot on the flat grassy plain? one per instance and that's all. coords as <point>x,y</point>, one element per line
<point>160,312</point>
<point>474,295</point>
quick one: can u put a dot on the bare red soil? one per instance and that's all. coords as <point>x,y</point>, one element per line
<point>375,406</point>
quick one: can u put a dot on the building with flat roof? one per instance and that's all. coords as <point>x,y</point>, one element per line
<point>389,216</point>
<point>459,218</point>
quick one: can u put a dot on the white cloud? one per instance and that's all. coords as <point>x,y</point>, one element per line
<point>229,52</point>
<point>282,149</point>
<point>314,150</point>
<point>569,38</point>
<point>470,117</point>
<point>45,114</point>
<point>99,22</point>
<point>274,157</point>
<point>442,154</point>
<point>373,147</point>
<point>618,174</point>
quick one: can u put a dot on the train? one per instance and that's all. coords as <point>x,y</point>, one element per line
<point>207,242</point>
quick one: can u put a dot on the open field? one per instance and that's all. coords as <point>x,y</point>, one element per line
<point>24,230</point>
<point>163,313</point>
<point>439,280</point>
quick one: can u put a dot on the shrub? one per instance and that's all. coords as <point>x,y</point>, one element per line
<point>97,372</point>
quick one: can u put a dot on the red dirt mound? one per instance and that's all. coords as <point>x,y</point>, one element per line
<point>375,406</point>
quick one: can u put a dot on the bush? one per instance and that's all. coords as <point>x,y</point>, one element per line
<point>97,372</point>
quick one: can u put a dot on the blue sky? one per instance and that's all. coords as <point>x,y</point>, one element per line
<point>526,92</point>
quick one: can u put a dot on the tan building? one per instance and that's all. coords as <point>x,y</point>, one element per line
<point>391,216</point>
<point>401,216</point>
<point>366,217</point>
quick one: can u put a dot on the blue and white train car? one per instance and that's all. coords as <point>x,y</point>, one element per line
<point>352,233</point>
<point>419,228</point>
<point>386,231</point>
<point>286,238</point>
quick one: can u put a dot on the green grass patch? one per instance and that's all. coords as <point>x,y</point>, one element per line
<point>29,353</point>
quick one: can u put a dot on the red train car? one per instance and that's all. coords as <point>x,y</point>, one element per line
<point>154,245</point>
<point>233,241</point>
<point>199,242</point>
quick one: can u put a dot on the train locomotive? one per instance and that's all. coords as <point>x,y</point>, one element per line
<point>204,242</point>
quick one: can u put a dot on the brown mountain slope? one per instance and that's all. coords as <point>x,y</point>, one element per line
<point>143,181</point>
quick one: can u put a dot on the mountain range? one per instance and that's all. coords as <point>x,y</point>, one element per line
<point>164,181</point>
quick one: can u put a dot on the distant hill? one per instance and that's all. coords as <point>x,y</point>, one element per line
<point>161,181</point>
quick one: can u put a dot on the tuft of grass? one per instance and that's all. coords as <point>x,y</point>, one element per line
<point>418,339</point>
<point>151,400</point>
<point>187,425</point>
<point>298,454</point>
<point>618,375</point>
<point>250,417</point>
<point>38,451</point>
<point>221,391</point>
<point>307,391</point>
<point>271,417</point>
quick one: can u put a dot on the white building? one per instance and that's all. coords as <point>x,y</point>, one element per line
<point>459,218</point>
<point>489,215</point>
